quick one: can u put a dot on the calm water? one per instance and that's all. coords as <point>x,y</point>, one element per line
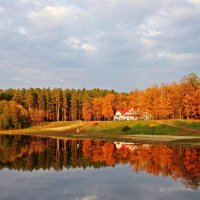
<point>51,169</point>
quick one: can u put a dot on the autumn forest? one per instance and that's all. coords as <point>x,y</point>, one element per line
<point>25,107</point>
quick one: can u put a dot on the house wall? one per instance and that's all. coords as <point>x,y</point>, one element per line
<point>125,118</point>
<point>119,116</point>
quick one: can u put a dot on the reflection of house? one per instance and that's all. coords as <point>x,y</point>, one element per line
<point>126,114</point>
<point>130,146</point>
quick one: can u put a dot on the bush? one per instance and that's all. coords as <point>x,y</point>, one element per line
<point>126,128</point>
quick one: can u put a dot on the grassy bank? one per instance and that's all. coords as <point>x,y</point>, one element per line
<point>172,131</point>
<point>193,124</point>
<point>134,127</point>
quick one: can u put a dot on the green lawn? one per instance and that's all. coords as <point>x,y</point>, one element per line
<point>136,127</point>
<point>193,124</point>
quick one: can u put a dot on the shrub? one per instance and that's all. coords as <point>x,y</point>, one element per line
<point>126,128</point>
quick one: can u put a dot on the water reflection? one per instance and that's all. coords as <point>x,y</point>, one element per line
<point>32,153</point>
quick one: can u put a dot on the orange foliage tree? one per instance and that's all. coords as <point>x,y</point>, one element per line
<point>108,106</point>
<point>87,110</point>
<point>97,108</point>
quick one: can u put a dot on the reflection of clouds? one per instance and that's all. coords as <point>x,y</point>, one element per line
<point>75,184</point>
<point>114,183</point>
<point>173,189</point>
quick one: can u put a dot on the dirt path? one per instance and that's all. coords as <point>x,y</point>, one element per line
<point>183,128</point>
<point>62,128</point>
<point>80,125</point>
<point>88,124</point>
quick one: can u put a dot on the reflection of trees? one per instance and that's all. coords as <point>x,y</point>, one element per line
<point>176,162</point>
<point>26,153</point>
<point>35,153</point>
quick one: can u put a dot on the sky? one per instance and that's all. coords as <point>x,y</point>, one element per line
<point>112,44</point>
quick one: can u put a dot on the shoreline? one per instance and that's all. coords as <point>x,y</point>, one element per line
<point>185,141</point>
<point>162,132</point>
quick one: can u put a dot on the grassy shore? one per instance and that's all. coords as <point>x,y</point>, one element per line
<point>169,131</point>
<point>193,124</point>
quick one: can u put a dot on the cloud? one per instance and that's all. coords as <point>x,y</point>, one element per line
<point>78,44</point>
<point>126,2</point>
<point>89,48</point>
<point>180,57</point>
<point>30,70</point>
<point>152,25</point>
<point>24,1</point>
<point>2,10</point>
<point>22,31</point>
<point>87,198</point>
<point>149,33</point>
<point>148,42</point>
<point>195,2</point>
<point>74,42</point>
<point>21,79</point>
<point>91,39</point>
<point>52,16</point>
<point>174,189</point>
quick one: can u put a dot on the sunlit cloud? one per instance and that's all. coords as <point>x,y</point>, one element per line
<point>78,44</point>
<point>92,197</point>
<point>195,2</point>
<point>148,42</point>
<point>89,48</point>
<point>52,16</point>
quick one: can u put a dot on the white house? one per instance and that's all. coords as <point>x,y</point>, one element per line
<point>125,114</point>
<point>131,114</point>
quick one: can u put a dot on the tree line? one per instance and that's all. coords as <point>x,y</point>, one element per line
<point>23,107</point>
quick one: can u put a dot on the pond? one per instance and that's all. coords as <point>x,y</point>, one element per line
<point>34,168</point>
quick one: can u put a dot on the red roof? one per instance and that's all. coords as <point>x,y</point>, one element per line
<point>124,111</point>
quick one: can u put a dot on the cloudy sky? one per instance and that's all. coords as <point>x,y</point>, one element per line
<point>119,44</point>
